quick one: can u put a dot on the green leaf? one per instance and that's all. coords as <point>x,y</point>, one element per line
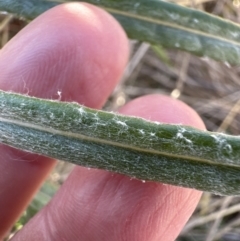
<point>161,53</point>
<point>172,154</point>
<point>159,23</point>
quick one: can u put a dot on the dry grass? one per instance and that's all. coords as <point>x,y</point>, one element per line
<point>211,88</point>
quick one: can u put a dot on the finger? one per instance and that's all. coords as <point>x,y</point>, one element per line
<point>98,205</point>
<point>75,52</point>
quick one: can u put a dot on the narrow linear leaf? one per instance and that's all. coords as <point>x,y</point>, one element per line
<point>161,53</point>
<point>28,9</point>
<point>172,154</point>
<point>159,23</point>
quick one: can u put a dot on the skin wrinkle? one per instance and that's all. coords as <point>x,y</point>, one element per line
<point>39,57</point>
<point>153,215</point>
<point>97,202</point>
<point>138,212</point>
<point>56,233</point>
<point>128,205</point>
<point>56,215</point>
<point>120,185</point>
<point>97,194</point>
<point>115,201</point>
<point>49,226</point>
<point>36,69</point>
<point>52,73</point>
<point>179,210</point>
<point>50,223</point>
<point>159,205</point>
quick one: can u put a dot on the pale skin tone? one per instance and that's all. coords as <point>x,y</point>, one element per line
<point>81,51</point>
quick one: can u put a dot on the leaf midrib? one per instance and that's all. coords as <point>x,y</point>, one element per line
<point>111,143</point>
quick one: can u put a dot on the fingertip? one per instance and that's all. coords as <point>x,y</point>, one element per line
<point>163,109</point>
<point>75,48</point>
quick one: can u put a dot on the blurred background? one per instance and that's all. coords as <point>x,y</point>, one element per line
<point>211,88</point>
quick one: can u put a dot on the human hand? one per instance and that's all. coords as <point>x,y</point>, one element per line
<point>80,50</point>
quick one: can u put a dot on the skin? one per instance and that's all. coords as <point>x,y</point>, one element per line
<point>81,50</point>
